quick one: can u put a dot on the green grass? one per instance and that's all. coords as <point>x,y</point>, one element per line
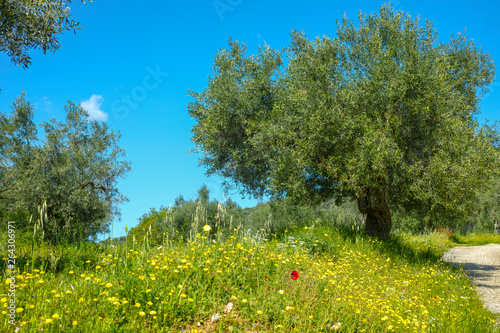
<point>420,247</point>
<point>347,283</point>
<point>474,239</point>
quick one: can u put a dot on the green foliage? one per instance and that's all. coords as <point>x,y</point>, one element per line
<point>28,24</point>
<point>151,224</point>
<point>275,217</point>
<point>272,219</point>
<point>382,115</point>
<point>408,222</point>
<point>187,218</point>
<point>488,209</point>
<point>74,170</point>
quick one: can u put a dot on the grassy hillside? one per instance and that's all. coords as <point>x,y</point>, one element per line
<point>313,279</point>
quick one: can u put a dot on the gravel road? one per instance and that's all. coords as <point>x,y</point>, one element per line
<point>483,263</point>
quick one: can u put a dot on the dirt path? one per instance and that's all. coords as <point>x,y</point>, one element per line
<point>483,263</point>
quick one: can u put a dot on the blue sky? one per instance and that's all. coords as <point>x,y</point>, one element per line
<point>133,62</point>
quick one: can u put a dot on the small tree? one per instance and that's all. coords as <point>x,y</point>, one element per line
<point>75,170</point>
<point>382,114</point>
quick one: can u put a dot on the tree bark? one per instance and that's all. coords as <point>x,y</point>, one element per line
<point>372,201</point>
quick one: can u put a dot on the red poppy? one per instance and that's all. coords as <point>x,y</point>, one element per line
<point>295,275</point>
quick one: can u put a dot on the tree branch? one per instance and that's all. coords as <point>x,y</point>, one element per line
<point>94,186</point>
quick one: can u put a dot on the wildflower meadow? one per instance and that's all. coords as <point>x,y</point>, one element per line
<point>312,279</point>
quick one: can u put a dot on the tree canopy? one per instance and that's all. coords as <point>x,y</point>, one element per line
<point>74,170</point>
<point>29,24</point>
<point>382,114</point>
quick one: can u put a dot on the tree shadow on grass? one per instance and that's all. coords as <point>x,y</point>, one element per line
<point>394,247</point>
<point>56,259</point>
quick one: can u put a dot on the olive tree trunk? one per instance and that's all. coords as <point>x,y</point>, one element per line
<point>372,202</point>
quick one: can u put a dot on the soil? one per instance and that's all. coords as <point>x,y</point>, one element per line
<point>482,264</point>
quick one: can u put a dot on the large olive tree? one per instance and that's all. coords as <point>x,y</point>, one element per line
<point>382,114</point>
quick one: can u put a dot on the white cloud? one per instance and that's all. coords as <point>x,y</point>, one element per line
<point>93,107</point>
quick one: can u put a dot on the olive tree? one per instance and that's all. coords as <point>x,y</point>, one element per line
<point>30,24</point>
<point>74,170</point>
<point>382,114</point>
